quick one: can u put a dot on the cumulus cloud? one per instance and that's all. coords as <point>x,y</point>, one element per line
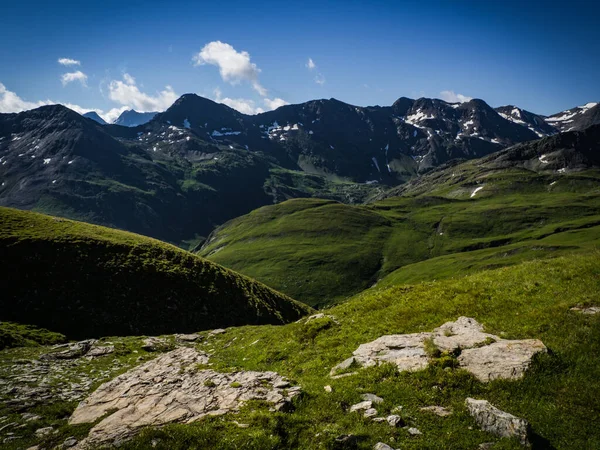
<point>310,65</point>
<point>452,97</point>
<point>275,103</point>
<point>127,93</point>
<point>67,78</point>
<point>10,102</point>
<point>69,62</point>
<point>113,114</point>
<point>234,67</point>
<point>248,106</point>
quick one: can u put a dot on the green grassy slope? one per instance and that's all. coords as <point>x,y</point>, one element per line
<point>85,280</point>
<point>558,395</point>
<point>322,252</point>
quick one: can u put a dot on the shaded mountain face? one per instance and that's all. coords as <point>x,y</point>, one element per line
<point>95,117</point>
<point>132,118</point>
<point>533,122</point>
<point>577,118</point>
<point>201,163</point>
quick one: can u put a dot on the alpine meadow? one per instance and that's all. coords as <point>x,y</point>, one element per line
<point>203,247</point>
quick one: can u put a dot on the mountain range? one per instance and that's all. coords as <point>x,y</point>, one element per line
<point>201,163</point>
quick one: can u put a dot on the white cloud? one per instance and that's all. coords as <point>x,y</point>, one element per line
<point>320,79</point>
<point>234,66</point>
<point>67,78</point>
<point>247,106</point>
<point>10,102</point>
<point>452,97</point>
<point>311,64</point>
<point>69,62</point>
<point>275,103</point>
<point>128,94</point>
<point>113,114</point>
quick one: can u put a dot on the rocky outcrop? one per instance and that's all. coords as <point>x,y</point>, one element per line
<point>485,355</point>
<point>498,422</point>
<point>503,359</point>
<point>591,310</point>
<point>170,389</point>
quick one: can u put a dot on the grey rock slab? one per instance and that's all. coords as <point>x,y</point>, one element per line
<point>71,351</point>
<point>414,431</point>
<point>168,389</point>
<point>502,359</point>
<point>394,420</point>
<point>43,431</point>
<point>187,337</point>
<point>485,355</point>
<point>96,351</point>
<point>498,422</point>
<point>372,397</point>
<point>382,446</point>
<point>362,405</point>
<point>589,310</point>
<point>371,412</point>
<point>154,344</point>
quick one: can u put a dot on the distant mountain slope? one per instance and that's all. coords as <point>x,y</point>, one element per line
<point>83,280</point>
<point>537,199</point>
<point>132,118</point>
<point>534,122</point>
<point>577,118</point>
<point>95,117</point>
<point>201,163</point>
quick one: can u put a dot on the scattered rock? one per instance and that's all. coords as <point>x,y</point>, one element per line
<point>437,410</point>
<point>372,397</point>
<point>588,310</point>
<point>327,388</point>
<point>379,419</point>
<point>96,351</point>
<point>486,445</point>
<point>217,331</point>
<point>69,351</point>
<point>187,337</point>
<point>371,412</point>
<point>171,389</point>
<point>498,422</point>
<point>28,417</point>
<point>502,359</point>
<point>414,431</point>
<point>70,442</point>
<point>382,446</point>
<point>394,420</point>
<point>43,431</point>
<point>486,356</point>
<point>320,316</point>
<point>345,442</point>
<point>154,344</point>
<point>367,404</point>
<point>241,425</point>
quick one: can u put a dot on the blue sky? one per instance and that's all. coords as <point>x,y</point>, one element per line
<point>542,56</point>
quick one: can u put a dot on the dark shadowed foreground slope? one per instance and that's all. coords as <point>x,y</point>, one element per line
<point>85,280</point>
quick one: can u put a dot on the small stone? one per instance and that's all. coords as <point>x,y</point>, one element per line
<point>328,388</point>
<point>382,446</point>
<point>589,310</point>
<point>372,397</point>
<point>394,420</point>
<point>495,421</point>
<point>96,351</point>
<point>187,337</point>
<point>414,431</point>
<point>371,412</point>
<point>486,445</point>
<point>154,344</point>
<point>379,419</point>
<point>43,431</point>
<point>437,410</point>
<point>70,442</point>
<point>362,405</point>
<point>345,442</point>
<point>217,331</point>
<point>28,417</point>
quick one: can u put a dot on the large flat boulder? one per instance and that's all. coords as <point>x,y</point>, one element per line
<point>485,355</point>
<point>171,389</point>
